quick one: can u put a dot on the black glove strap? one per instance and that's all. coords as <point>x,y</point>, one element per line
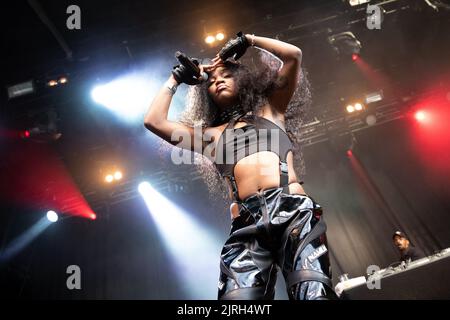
<point>234,48</point>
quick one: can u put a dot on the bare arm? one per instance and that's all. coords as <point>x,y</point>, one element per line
<point>287,79</point>
<point>156,119</point>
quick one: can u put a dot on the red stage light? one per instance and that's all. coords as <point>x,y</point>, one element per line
<point>24,134</point>
<point>420,116</point>
<point>355,56</point>
<point>93,216</point>
<point>349,153</point>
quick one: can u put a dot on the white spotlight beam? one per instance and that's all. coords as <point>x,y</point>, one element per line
<point>194,251</point>
<point>19,243</point>
<point>128,96</point>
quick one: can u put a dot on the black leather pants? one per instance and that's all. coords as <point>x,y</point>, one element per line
<point>276,229</point>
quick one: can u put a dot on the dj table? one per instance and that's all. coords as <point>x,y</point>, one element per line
<point>427,278</point>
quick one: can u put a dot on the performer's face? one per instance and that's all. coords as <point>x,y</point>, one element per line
<point>222,87</point>
<point>401,243</point>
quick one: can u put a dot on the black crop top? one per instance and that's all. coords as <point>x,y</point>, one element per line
<point>259,134</point>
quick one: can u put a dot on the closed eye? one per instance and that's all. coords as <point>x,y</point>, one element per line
<point>212,80</point>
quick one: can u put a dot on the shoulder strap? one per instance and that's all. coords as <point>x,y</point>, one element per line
<point>234,188</point>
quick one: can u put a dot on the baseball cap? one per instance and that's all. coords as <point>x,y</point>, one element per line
<point>399,234</point>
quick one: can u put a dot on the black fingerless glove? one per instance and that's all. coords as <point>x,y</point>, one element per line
<point>182,74</point>
<point>234,48</point>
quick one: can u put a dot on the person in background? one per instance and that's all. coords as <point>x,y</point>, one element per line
<point>407,251</point>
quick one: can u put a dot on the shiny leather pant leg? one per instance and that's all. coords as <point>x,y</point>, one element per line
<point>247,269</point>
<point>304,256</point>
<point>276,229</point>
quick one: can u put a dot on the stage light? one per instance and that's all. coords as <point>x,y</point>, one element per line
<point>357,2</point>
<point>345,44</point>
<point>420,116</point>
<point>129,96</point>
<point>374,97</point>
<point>109,178</point>
<point>358,106</point>
<point>210,39</point>
<point>62,80</point>
<point>117,175</point>
<point>93,216</point>
<point>349,153</point>
<point>350,108</point>
<point>190,245</point>
<point>52,216</point>
<point>371,119</point>
<point>52,83</point>
<point>220,36</point>
<point>25,134</point>
<point>20,89</point>
<point>23,240</point>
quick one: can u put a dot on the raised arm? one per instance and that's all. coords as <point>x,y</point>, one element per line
<point>288,74</point>
<point>176,133</point>
<point>156,120</point>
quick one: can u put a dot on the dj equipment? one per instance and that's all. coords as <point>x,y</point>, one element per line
<point>427,278</point>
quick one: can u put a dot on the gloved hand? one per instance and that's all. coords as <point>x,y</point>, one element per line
<point>183,74</point>
<point>234,48</point>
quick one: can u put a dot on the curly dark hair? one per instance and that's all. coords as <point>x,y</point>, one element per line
<point>255,80</point>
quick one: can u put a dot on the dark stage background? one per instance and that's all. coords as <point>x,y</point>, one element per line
<point>396,177</point>
<point>121,255</point>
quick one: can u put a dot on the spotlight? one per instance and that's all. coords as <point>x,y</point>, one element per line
<point>358,106</point>
<point>109,178</point>
<point>25,134</point>
<point>20,89</point>
<point>52,83</point>
<point>184,236</point>
<point>371,119</point>
<point>374,97</point>
<point>220,36</point>
<point>127,96</point>
<point>357,2</point>
<point>345,44</point>
<point>349,153</point>
<point>421,116</point>
<point>117,175</point>
<point>93,216</point>
<point>44,127</point>
<point>52,216</point>
<point>62,80</point>
<point>210,39</point>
